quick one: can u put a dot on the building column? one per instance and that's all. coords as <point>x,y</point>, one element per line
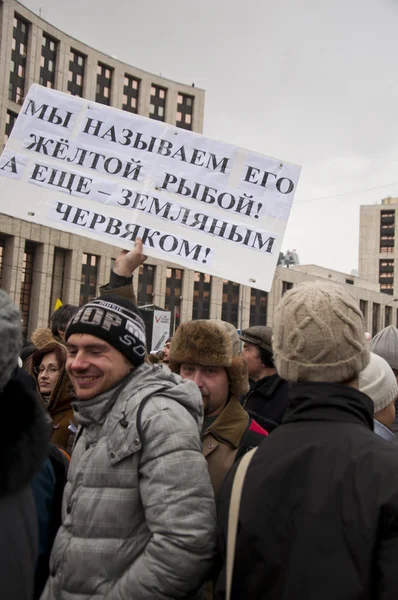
<point>12,267</point>
<point>187,295</point>
<point>160,285</point>
<point>73,274</point>
<point>216,298</point>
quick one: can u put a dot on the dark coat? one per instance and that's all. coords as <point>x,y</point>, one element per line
<point>268,399</point>
<point>23,447</point>
<point>319,510</point>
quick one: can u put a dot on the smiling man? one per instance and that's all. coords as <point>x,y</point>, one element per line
<point>139,513</point>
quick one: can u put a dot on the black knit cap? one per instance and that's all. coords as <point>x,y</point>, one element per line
<point>115,320</point>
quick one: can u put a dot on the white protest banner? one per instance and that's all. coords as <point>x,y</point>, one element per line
<point>112,176</point>
<point>161,329</point>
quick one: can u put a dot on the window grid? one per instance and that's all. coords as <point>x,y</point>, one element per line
<point>18,59</point>
<point>173,295</point>
<point>131,91</point>
<point>184,111</point>
<point>230,302</point>
<point>258,307</point>
<point>157,108</point>
<point>77,63</point>
<point>146,281</point>
<point>48,61</point>
<point>88,287</point>
<point>201,296</point>
<point>104,84</point>
<point>26,284</point>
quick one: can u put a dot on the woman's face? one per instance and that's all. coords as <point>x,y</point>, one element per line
<point>48,373</point>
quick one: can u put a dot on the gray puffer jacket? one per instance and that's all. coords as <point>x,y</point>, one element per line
<point>138,512</point>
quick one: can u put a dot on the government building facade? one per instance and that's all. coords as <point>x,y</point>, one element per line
<point>39,264</point>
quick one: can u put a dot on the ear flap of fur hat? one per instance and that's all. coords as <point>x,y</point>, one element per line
<point>202,343</point>
<point>238,376</point>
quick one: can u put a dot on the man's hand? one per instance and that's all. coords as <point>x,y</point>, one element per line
<point>127,262</point>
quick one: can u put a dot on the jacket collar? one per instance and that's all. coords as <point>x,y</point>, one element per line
<point>267,385</point>
<point>231,424</point>
<point>315,401</point>
<point>94,411</point>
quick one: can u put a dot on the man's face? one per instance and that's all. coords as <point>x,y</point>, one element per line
<point>252,357</point>
<point>48,373</point>
<point>93,365</point>
<point>213,383</point>
<point>166,352</point>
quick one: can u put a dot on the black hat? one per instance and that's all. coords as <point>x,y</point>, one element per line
<point>115,320</point>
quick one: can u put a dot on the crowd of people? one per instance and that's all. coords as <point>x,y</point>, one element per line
<point>258,464</point>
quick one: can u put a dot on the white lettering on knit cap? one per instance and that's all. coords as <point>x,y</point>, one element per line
<point>130,340</point>
<point>92,315</point>
<point>111,320</point>
<point>135,330</point>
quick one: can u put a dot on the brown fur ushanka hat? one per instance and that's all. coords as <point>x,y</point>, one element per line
<point>206,343</point>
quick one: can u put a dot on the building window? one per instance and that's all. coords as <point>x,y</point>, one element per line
<point>286,286</point>
<point>104,83</point>
<point>363,306</point>
<point>26,284</point>
<point>387,288</point>
<point>157,109</point>
<point>386,275</point>
<point>10,121</point>
<point>88,287</point>
<point>131,90</point>
<point>387,231</point>
<point>387,219</point>
<point>48,61</point>
<point>350,281</point>
<point>58,276</point>
<point>201,296</point>
<point>230,302</point>
<point>184,111</point>
<point>77,64</point>
<point>18,59</point>
<point>375,318</point>
<point>173,295</point>
<point>258,307</point>
<point>146,283</point>
<point>387,316</point>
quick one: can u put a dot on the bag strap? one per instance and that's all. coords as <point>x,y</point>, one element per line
<point>233,516</point>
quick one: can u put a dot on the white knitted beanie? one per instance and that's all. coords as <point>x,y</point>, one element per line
<point>319,334</point>
<point>385,344</point>
<point>378,382</point>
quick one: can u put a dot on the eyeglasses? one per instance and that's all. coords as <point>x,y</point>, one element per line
<point>41,369</point>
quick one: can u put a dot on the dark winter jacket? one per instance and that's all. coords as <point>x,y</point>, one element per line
<point>23,446</point>
<point>268,399</point>
<point>319,510</point>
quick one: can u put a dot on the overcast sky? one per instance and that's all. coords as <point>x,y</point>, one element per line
<point>317,87</point>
